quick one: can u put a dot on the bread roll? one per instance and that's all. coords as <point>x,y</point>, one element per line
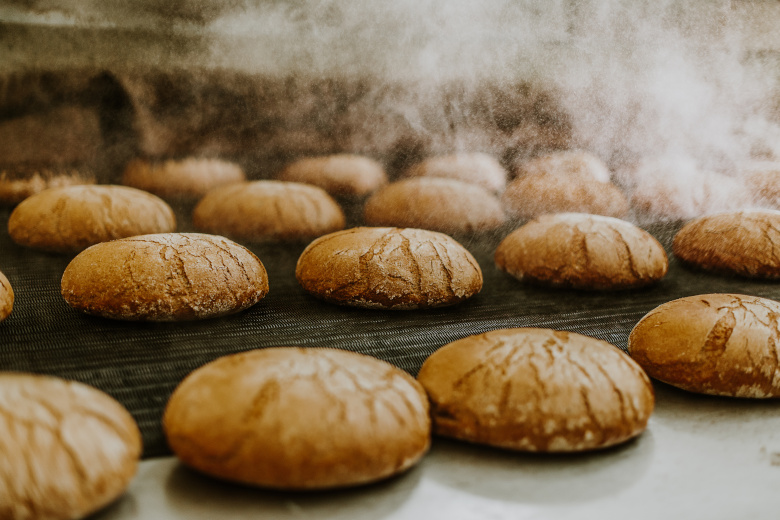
<point>437,204</point>
<point>388,268</point>
<point>17,185</point>
<point>164,277</point>
<point>536,390</point>
<point>475,168</point>
<point>186,179</point>
<point>582,251</point>
<point>67,220</point>
<point>295,418</point>
<point>576,163</point>
<point>268,211</point>
<point>338,174</point>
<point>745,243</point>
<point>68,449</point>
<point>722,344</point>
<point>6,297</point>
<point>534,195</point>
<point>763,181</point>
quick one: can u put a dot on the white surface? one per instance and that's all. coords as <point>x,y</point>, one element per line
<point>701,457</point>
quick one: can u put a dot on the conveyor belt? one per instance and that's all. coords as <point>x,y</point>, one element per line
<point>141,363</point>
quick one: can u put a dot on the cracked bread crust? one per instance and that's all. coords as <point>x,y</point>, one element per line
<point>268,211</point>
<point>744,243</point>
<point>6,297</point>
<point>474,168</point>
<point>185,179</point>
<point>445,205</point>
<point>578,163</point>
<point>583,252</point>
<point>164,277</point>
<point>68,449</point>
<point>17,186</point>
<point>721,344</point>
<point>70,219</point>
<point>295,418</point>
<point>389,268</point>
<point>537,390</point>
<point>538,194</point>
<point>338,174</point>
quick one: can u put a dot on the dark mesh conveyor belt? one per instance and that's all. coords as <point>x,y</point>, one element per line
<point>141,363</point>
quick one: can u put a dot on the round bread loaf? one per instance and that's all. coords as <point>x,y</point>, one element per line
<point>577,163</point>
<point>67,220</point>
<point>582,251</point>
<point>445,205</point>
<point>745,243</point>
<point>68,448</point>
<point>338,174</point>
<point>297,418</point>
<point>186,179</point>
<point>722,344</point>
<point>17,186</point>
<point>164,277</point>
<point>6,297</point>
<point>475,168</point>
<point>534,195</point>
<point>388,268</point>
<point>268,211</point>
<point>536,390</point>
<point>763,181</point>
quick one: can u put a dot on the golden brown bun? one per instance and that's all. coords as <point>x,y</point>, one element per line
<point>67,220</point>
<point>68,448</point>
<point>582,251</point>
<point>722,344</point>
<point>743,243</point>
<point>445,205</point>
<point>475,168</point>
<point>297,418</point>
<point>17,186</point>
<point>186,179</point>
<point>6,297</point>
<point>388,268</point>
<point>338,174</point>
<point>268,211</point>
<point>534,195</point>
<point>164,277</point>
<point>577,163</point>
<point>536,390</point>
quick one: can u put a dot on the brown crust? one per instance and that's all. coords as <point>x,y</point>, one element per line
<point>67,220</point>
<point>582,251</point>
<point>536,390</point>
<point>577,163</point>
<point>68,449</point>
<point>6,297</point>
<point>745,243</point>
<point>389,268</point>
<point>15,187</point>
<point>297,418</point>
<point>338,174</point>
<point>268,211</point>
<point>475,168</point>
<point>534,195</point>
<point>444,205</point>
<point>722,344</point>
<point>185,179</point>
<point>164,277</point>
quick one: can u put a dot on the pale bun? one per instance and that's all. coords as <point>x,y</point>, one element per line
<point>471,167</point>
<point>338,174</point>
<point>185,179</point>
